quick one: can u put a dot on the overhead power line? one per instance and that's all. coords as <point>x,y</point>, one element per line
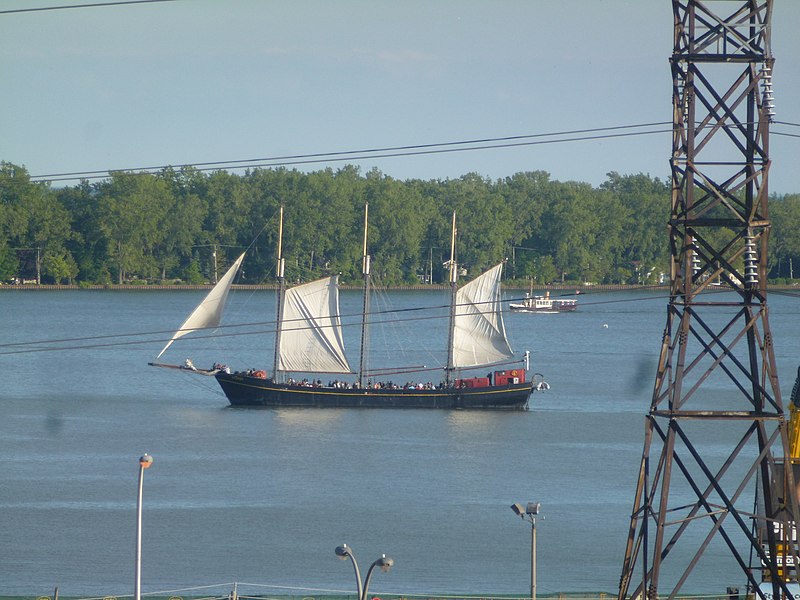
<point>576,135</point>
<point>87,5</point>
<point>384,317</point>
<point>398,315</point>
<point>558,137</point>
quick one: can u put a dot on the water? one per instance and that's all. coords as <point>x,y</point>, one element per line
<point>264,496</point>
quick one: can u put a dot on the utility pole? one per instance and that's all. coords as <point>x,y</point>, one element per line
<point>716,373</point>
<point>214,255</point>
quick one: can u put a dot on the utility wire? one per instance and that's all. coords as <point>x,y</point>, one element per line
<point>89,5</point>
<point>402,315</point>
<point>99,340</point>
<point>388,152</point>
<point>366,150</point>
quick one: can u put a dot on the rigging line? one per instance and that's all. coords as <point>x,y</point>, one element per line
<point>88,5</point>
<point>787,123</point>
<point>793,135</point>
<point>364,150</point>
<point>255,239</point>
<point>393,154</point>
<point>424,369</point>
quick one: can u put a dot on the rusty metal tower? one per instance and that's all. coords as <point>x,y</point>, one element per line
<point>716,429</point>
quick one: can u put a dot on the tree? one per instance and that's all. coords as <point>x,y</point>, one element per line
<point>181,219</point>
<point>323,224</point>
<point>33,218</point>
<point>399,217</point>
<point>578,231</point>
<point>524,194</point>
<point>228,213</point>
<point>60,266</point>
<point>14,187</point>
<point>785,234</point>
<point>87,244</point>
<point>644,212</point>
<point>141,225</point>
<point>9,265</point>
<point>484,221</point>
<point>132,209</point>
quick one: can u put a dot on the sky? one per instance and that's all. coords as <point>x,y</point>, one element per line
<point>201,81</point>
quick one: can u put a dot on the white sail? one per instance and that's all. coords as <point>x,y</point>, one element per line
<point>209,312</point>
<point>480,336</point>
<point>311,335</point>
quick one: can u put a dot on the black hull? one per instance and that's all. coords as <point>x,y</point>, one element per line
<point>243,390</point>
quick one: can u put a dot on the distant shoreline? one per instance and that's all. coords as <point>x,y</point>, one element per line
<point>580,289</point>
<point>272,286</point>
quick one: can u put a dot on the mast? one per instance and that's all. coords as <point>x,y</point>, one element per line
<point>453,291</point>
<point>279,271</point>
<point>365,265</point>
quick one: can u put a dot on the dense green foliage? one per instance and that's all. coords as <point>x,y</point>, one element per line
<point>168,226</point>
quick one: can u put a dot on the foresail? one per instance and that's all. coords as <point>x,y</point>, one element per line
<point>311,335</point>
<point>480,336</point>
<point>209,312</point>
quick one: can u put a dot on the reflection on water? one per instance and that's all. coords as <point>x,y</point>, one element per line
<point>305,418</point>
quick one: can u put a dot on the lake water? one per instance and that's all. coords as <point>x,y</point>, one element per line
<point>262,497</point>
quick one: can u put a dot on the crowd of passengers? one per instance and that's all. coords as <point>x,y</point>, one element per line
<point>380,385</point>
<point>341,385</point>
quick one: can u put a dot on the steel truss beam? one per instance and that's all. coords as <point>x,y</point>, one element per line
<point>716,379</point>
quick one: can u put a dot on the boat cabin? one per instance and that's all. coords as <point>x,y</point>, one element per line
<point>499,377</point>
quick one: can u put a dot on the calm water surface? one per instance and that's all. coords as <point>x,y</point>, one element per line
<point>264,496</point>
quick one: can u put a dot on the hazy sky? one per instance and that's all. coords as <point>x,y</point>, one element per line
<point>194,81</point>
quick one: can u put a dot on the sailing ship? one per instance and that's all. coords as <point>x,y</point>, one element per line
<point>544,304</point>
<point>309,341</point>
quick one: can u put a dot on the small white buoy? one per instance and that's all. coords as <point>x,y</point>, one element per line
<point>605,325</point>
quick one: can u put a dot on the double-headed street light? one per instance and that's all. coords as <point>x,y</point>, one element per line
<point>144,462</point>
<point>529,514</point>
<point>384,563</point>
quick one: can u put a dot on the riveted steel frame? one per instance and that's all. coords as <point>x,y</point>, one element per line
<point>716,374</point>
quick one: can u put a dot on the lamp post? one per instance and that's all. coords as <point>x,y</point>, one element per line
<point>384,563</point>
<point>144,462</point>
<point>529,514</point>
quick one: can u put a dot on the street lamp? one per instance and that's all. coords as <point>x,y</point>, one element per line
<point>384,563</point>
<point>144,462</point>
<point>529,514</point>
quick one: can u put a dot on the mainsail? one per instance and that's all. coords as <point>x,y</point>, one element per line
<point>480,337</point>
<point>209,312</point>
<point>311,333</point>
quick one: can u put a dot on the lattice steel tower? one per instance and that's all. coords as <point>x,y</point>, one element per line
<point>716,429</point>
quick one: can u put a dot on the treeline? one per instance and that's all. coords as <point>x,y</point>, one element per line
<point>186,225</point>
